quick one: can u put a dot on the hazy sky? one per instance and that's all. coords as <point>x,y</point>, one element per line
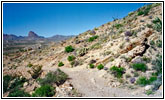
<point>48,19</point>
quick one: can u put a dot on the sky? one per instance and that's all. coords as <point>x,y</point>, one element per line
<point>49,19</point>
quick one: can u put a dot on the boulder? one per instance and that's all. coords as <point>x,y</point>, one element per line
<point>148,87</point>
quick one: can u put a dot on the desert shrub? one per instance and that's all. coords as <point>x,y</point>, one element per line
<point>149,92</point>
<point>18,93</point>
<point>100,67</point>
<point>96,46</point>
<point>157,64</point>
<point>149,26</point>
<point>157,83</point>
<point>93,38</point>
<point>131,13</point>
<point>139,67</point>
<point>82,51</point>
<point>158,24</point>
<point>69,49</point>
<point>145,11</point>
<point>159,43</point>
<point>17,83</point>
<point>57,77</point>
<point>140,13</point>
<point>29,65</point>
<point>118,26</point>
<point>6,81</point>
<point>152,79</point>
<point>136,74</point>
<point>60,64</point>
<point>44,91</point>
<point>142,81</point>
<point>127,76</point>
<point>152,42</point>
<point>75,63</point>
<point>146,59</point>
<point>117,71</point>
<point>71,58</point>
<point>91,66</point>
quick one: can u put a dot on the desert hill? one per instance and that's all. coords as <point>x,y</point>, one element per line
<point>122,58</point>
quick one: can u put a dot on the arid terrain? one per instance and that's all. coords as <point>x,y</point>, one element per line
<point>122,58</point>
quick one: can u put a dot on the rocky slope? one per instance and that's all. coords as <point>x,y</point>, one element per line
<point>122,58</point>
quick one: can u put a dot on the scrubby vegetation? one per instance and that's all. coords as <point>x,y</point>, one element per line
<point>14,84</point>
<point>139,67</point>
<point>93,38</point>
<point>143,81</point>
<point>29,65</point>
<point>145,10</point>
<point>117,71</point>
<point>91,66</point>
<point>117,26</point>
<point>44,91</point>
<point>57,77</point>
<point>60,64</point>
<point>69,49</point>
<point>100,67</point>
<point>18,93</point>
<point>71,58</point>
<point>157,24</point>
<point>6,81</point>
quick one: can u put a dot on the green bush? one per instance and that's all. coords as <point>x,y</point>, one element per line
<point>91,66</point>
<point>57,77</point>
<point>157,64</point>
<point>159,43</point>
<point>100,67</point>
<point>139,67</point>
<point>118,26</point>
<point>18,93</point>
<point>29,65</point>
<point>117,71</point>
<point>145,11</point>
<point>140,13</point>
<point>44,91</point>
<point>152,42</point>
<point>158,24</point>
<point>60,64</point>
<point>17,83</point>
<point>71,58</point>
<point>93,38</point>
<point>69,49</point>
<point>142,81</point>
<point>6,81</point>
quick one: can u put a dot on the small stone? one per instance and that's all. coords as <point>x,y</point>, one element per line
<point>105,68</point>
<point>25,84</point>
<point>148,87</point>
<point>150,17</point>
<point>77,42</point>
<point>92,61</point>
<point>128,33</point>
<point>132,80</point>
<point>127,39</point>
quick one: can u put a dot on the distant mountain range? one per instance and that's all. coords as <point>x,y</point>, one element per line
<point>33,36</point>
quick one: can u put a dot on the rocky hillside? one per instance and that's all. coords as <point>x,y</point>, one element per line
<point>122,58</point>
